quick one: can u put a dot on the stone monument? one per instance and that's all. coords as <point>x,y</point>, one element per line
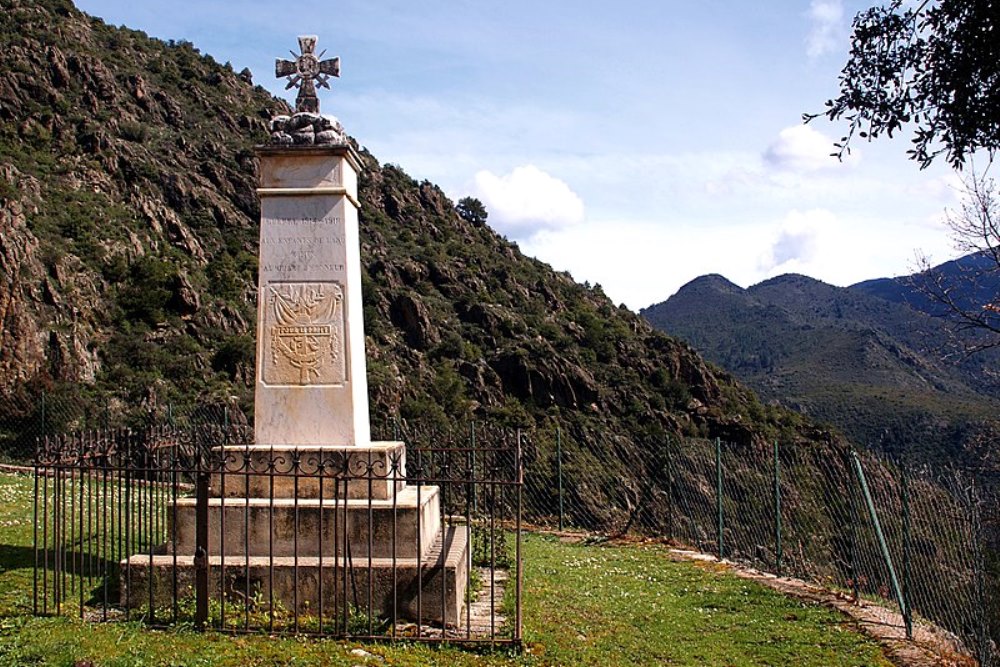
<point>346,504</point>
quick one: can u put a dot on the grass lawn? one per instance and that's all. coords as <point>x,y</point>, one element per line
<point>583,605</point>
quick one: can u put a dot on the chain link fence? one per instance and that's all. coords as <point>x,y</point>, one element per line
<point>922,540</point>
<point>26,417</point>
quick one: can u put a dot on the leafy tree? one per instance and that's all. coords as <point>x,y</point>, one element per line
<point>933,64</point>
<point>472,211</point>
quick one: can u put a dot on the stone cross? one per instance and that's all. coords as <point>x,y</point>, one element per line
<point>307,71</point>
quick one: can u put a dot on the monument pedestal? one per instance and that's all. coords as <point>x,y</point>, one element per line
<point>313,513</point>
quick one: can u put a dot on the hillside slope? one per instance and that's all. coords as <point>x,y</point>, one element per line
<point>128,241</point>
<point>863,363</point>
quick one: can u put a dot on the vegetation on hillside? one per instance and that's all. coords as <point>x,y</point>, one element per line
<point>129,218</point>
<point>842,355</point>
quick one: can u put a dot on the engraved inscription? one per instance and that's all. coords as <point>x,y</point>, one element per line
<point>304,334</point>
<point>313,222</point>
<point>290,245</point>
<point>289,268</point>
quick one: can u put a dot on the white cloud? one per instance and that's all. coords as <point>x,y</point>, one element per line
<point>528,200</point>
<point>796,242</point>
<point>828,27</point>
<point>801,148</point>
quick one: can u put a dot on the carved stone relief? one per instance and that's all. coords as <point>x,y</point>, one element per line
<point>304,334</point>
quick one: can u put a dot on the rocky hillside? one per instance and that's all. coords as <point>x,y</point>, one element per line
<point>844,355</point>
<point>128,232</point>
<point>126,209</point>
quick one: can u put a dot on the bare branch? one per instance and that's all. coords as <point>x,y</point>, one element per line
<point>966,292</point>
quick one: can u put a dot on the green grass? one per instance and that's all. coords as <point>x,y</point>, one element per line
<point>584,605</point>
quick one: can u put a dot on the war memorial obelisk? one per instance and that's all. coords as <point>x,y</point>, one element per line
<point>313,503</point>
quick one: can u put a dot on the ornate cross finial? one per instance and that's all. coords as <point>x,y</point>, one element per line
<point>306,72</point>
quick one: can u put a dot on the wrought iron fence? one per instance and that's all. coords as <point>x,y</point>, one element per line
<point>199,526</point>
<point>26,417</point>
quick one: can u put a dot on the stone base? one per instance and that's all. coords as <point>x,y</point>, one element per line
<point>429,591</point>
<point>376,470</point>
<point>402,526</point>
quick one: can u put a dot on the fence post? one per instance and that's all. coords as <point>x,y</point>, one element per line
<point>904,489</point>
<point>718,489</point>
<point>853,520</point>
<point>201,549</point>
<point>879,534</point>
<point>472,474</point>
<point>984,648</point>
<point>519,574</point>
<point>777,510</point>
<point>559,466</point>
<point>670,491</point>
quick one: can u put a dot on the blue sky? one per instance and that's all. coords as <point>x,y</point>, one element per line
<point>636,145</point>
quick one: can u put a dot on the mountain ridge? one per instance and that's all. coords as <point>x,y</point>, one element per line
<point>843,355</point>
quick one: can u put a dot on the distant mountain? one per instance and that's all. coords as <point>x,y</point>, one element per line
<point>859,357</point>
<point>906,290</point>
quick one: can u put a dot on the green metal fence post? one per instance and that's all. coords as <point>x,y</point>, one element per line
<point>904,489</point>
<point>777,510</point>
<point>559,466</point>
<point>853,521</point>
<point>670,490</point>
<point>718,489</point>
<point>984,649</point>
<point>859,471</point>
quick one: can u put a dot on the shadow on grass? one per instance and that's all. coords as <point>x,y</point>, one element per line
<point>64,572</point>
<point>16,557</point>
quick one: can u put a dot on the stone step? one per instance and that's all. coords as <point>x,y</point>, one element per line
<point>289,526</point>
<point>440,577</point>
<point>375,470</point>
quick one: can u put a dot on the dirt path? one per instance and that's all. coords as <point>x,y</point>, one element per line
<point>930,647</point>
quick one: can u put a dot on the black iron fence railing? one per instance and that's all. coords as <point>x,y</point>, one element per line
<point>199,526</point>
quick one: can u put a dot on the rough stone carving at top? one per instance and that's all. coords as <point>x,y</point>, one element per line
<point>307,127</point>
<point>306,72</point>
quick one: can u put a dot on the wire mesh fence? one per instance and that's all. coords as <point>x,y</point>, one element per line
<point>920,540</point>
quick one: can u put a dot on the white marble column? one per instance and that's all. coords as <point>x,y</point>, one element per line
<point>312,386</point>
